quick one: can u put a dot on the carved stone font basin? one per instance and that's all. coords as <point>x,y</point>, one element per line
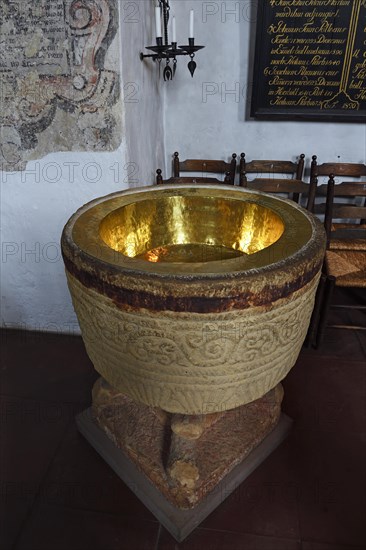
<point>193,298</point>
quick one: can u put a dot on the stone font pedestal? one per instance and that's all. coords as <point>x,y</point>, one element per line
<point>182,467</point>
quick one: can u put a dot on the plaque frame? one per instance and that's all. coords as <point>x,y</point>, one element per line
<point>330,111</point>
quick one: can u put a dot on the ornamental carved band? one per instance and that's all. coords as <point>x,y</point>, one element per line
<point>56,93</point>
<point>193,363</point>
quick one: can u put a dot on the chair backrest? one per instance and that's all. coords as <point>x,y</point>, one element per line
<point>336,169</point>
<point>187,179</point>
<point>270,176</point>
<point>200,166</point>
<point>356,171</point>
<point>348,231</point>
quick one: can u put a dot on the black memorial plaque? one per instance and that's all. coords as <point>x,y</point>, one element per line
<point>310,60</point>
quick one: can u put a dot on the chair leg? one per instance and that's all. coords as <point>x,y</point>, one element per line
<point>327,299</point>
<point>314,321</point>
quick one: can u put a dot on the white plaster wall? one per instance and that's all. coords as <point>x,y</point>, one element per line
<point>207,116</point>
<point>36,204</point>
<point>143,94</point>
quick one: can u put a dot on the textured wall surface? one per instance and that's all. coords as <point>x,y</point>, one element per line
<point>36,202</point>
<point>59,89</point>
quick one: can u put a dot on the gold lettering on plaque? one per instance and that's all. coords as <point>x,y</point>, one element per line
<point>316,54</point>
<point>342,98</point>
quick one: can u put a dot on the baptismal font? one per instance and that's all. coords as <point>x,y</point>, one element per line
<point>193,302</point>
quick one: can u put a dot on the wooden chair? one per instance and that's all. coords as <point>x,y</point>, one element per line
<point>317,171</point>
<point>345,259</point>
<point>270,176</point>
<point>338,169</point>
<point>203,167</point>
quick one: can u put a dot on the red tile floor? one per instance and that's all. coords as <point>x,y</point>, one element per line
<point>58,494</point>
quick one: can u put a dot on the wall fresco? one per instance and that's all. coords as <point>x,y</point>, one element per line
<point>59,90</point>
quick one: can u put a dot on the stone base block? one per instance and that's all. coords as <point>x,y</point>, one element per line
<point>145,475</point>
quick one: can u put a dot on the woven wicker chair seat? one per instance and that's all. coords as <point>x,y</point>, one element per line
<point>348,266</point>
<point>352,244</point>
<point>348,236</point>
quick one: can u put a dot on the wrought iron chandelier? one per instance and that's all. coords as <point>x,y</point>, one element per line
<point>169,51</point>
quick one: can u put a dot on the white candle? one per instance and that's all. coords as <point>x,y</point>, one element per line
<point>158,22</point>
<point>174,30</point>
<point>191,19</point>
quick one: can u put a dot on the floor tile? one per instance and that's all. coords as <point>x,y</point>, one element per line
<point>361,335</point>
<point>58,490</point>
<point>207,539</point>
<point>30,432</point>
<point>80,478</point>
<point>331,490</point>
<point>322,546</point>
<point>311,487</point>
<point>264,503</point>
<point>358,318</point>
<point>45,366</point>
<point>58,528</point>
<point>338,343</point>
<point>343,342</point>
<point>323,394</point>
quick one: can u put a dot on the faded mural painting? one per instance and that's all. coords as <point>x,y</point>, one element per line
<point>58,91</point>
